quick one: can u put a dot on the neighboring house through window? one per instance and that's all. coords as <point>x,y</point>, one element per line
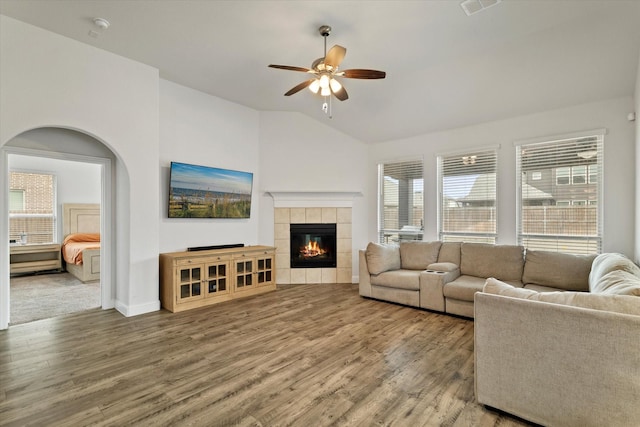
<point>32,213</point>
<point>400,201</point>
<point>467,196</point>
<point>561,212</point>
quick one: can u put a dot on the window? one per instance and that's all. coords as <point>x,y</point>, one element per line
<point>401,201</point>
<point>579,175</point>
<point>563,176</point>
<point>536,176</point>
<point>32,207</point>
<point>561,214</point>
<point>467,197</point>
<point>593,174</point>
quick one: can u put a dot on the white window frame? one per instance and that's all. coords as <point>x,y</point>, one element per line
<point>579,244</point>
<point>482,161</point>
<point>410,227</point>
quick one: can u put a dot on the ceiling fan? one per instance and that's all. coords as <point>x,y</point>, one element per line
<point>325,71</point>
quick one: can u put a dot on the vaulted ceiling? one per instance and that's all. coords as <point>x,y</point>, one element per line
<point>444,69</point>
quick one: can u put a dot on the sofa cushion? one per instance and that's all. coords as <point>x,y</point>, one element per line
<point>504,262</point>
<point>618,282</point>
<point>541,288</point>
<point>450,252</point>
<point>418,255</point>
<point>399,279</point>
<point>606,263</point>
<point>382,258</point>
<point>463,288</point>
<point>557,270</point>
<point>615,303</point>
<point>443,266</point>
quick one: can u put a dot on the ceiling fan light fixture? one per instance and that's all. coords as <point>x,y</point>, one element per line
<point>325,91</point>
<point>324,81</point>
<point>335,85</point>
<point>315,86</point>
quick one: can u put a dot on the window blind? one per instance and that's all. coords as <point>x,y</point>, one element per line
<point>467,197</point>
<point>560,211</point>
<point>32,213</point>
<point>401,201</point>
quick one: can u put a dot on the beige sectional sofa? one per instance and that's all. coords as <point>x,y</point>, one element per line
<point>557,336</point>
<point>568,358</point>
<point>446,276</point>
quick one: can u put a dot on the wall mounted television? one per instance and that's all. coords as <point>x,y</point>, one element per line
<point>207,192</point>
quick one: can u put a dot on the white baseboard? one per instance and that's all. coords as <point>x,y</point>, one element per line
<point>135,310</point>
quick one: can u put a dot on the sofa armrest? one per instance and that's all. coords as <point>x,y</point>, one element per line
<point>364,280</point>
<point>557,365</point>
<point>431,288</point>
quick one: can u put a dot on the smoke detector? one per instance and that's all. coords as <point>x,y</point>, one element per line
<point>101,23</point>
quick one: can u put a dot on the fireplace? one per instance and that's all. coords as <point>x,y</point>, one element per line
<point>313,245</point>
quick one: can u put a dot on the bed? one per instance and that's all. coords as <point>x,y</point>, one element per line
<point>81,243</point>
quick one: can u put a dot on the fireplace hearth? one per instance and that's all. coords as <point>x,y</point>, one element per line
<point>313,245</point>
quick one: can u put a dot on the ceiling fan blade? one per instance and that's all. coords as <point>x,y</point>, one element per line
<point>341,94</point>
<point>291,68</point>
<point>335,56</point>
<point>299,87</point>
<point>362,74</point>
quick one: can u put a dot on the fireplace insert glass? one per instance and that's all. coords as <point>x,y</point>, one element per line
<point>313,245</point>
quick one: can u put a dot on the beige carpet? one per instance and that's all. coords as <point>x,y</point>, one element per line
<point>48,295</point>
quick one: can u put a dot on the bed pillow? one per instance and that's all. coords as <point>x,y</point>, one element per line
<point>381,258</point>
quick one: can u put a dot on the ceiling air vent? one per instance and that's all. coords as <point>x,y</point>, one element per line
<point>473,6</point>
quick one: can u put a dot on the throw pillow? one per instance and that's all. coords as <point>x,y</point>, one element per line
<point>608,262</point>
<point>381,258</point>
<point>617,282</point>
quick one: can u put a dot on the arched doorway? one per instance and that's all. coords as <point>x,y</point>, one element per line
<point>68,145</point>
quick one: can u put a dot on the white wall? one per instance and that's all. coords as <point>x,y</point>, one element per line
<point>619,178</point>
<point>204,130</point>
<point>637,168</point>
<point>50,80</point>
<point>76,182</point>
<point>301,154</point>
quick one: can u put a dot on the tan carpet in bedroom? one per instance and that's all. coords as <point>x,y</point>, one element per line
<point>48,295</point>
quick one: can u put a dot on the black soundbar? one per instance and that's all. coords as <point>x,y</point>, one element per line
<point>206,248</point>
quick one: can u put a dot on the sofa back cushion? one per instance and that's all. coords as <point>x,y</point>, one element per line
<point>381,258</point>
<point>450,252</point>
<point>617,282</point>
<point>418,255</point>
<point>608,262</point>
<point>503,262</point>
<point>616,303</point>
<point>557,270</point>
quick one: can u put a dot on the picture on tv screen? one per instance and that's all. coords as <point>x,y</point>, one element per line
<point>207,192</point>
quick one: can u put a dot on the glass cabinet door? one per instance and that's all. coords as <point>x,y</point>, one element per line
<point>244,274</point>
<point>216,280</point>
<point>189,284</point>
<point>265,271</point>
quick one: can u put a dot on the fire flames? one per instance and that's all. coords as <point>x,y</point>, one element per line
<point>312,249</point>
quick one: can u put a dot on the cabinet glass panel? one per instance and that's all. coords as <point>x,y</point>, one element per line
<point>240,282</point>
<point>268,263</point>
<point>216,279</point>
<point>195,289</point>
<point>185,291</point>
<point>260,264</point>
<point>185,275</point>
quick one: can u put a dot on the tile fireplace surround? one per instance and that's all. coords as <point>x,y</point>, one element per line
<point>310,210</point>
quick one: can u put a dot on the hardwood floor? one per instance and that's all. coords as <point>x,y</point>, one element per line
<point>305,355</point>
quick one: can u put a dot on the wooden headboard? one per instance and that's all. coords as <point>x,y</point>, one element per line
<point>80,218</point>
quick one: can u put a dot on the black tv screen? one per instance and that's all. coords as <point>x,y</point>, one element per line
<point>207,192</point>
